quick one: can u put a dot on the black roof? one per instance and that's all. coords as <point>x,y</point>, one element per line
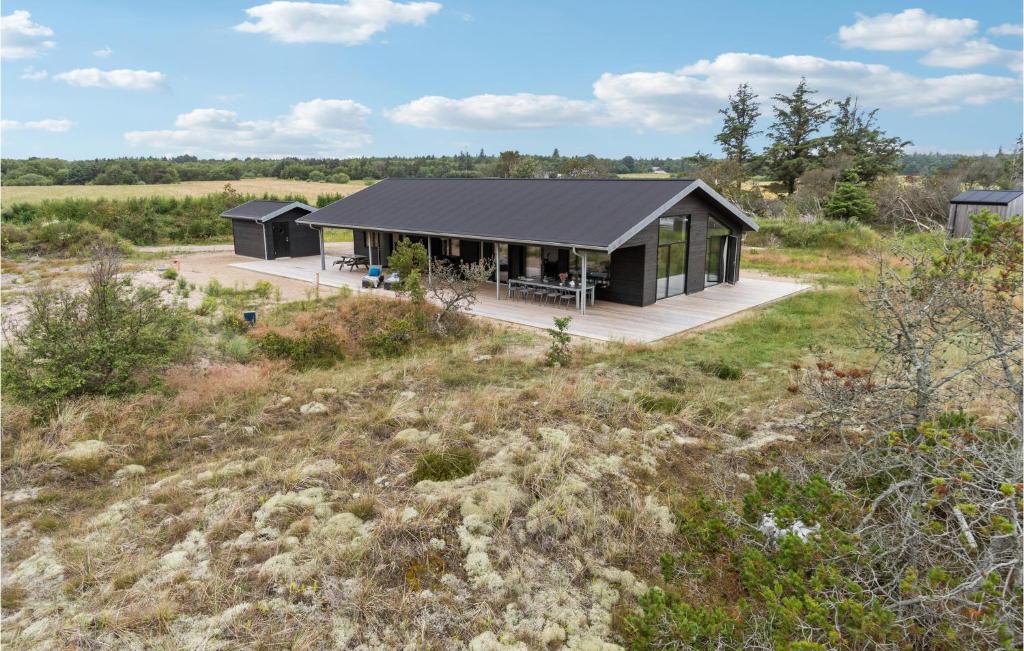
<point>590,213</point>
<point>987,197</point>
<point>261,211</point>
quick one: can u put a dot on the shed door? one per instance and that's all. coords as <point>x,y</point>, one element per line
<point>282,241</point>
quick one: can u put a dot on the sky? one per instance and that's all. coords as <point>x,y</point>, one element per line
<point>223,78</point>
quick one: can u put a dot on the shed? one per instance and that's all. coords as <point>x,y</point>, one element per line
<point>268,229</point>
<point>1004,203</point>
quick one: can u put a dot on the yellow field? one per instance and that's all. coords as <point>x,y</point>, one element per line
<point>310,190</point>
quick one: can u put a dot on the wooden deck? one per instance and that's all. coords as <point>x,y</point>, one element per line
<point>603,321</point>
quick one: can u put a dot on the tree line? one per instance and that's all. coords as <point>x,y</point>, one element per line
<point>797,158</point>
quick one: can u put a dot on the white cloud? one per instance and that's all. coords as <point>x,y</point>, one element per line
<point>912,29</point>
<point>689,98</point>
<point>351,23</point>
<point>103,53</point>
<point>316,127</point>
<point>970,54</point>
<point>125,79</point>
<point>1007,29</point>
<point>55,126</point>
<point>495,112</point>
<point>20,38</point>
<point>32,74</point>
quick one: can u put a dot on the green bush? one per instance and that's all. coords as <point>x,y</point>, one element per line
<point>720,370</point>
<point>105,340</point>
<point>339,177</point>
<point>58,239</point>
<point>817,234</point>
<point>850,201</point>
<point>30,179</point>
<point>317,347</point>
<point>141,220</point>
<point>393,340</point>
<point>238,348</point>
<point>660,403</point>
<point>445,465</point>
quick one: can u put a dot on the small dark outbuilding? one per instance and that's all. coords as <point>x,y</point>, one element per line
<point>268,230</point>
<point>1005,203</point>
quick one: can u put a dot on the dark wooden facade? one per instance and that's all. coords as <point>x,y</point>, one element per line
<point>278,237</point>
<point>633,266</point>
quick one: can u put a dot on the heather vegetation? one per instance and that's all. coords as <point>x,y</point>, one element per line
<point>353,471</point>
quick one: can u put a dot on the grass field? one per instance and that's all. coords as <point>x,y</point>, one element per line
<point>35,193</point>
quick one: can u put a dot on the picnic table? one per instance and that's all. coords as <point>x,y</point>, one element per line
<point>352,261</point>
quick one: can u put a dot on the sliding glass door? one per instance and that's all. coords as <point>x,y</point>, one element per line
<point>673,234</point>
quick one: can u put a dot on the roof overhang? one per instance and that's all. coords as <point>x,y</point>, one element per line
<point>697,184</point>
<point>463,236</point>
<point>277,213</point>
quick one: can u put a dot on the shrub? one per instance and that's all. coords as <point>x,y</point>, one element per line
<point>309,351</point>
<point>105,340</point>
<point>30,179</point>
<point>663,404</point>
<point>58,238</point>
<point>238,348</point>
<point>169,274</point>
<point>720,370</point>
<point>850,201</point>
<point>559,351</point>
<point>364,508</point>
<point>817,234</point>
<point>391,341</point>
<point>445,465</point>
<point>339,177</point>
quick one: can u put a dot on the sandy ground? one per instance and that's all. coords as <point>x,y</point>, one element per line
<point>197,264</point>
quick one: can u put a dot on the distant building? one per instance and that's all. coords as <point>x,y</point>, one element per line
<point>1005,203</point>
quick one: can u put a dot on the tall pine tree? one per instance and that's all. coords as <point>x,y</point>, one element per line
<point>738,125</point>
<point>794,146</point>
<point>856,135</point>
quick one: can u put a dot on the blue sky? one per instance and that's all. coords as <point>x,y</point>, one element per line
<point>380,77</point>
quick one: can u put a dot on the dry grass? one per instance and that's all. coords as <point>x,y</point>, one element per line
<point>255,525</point>
<point>281,187</point>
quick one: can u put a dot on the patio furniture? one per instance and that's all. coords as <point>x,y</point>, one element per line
<point>373,277</point>
<point>352,261</point>
<point>566,298</point>
<point>393,281</point>
<point>542,289</point>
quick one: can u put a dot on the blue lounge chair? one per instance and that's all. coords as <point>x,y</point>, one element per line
<point>373,277</point>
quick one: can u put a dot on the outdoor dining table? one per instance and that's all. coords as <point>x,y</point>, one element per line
<point>555,285</point>
<point>352,261</point>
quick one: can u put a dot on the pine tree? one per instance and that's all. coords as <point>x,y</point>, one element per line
<point>794,146</point>
<point>738,125</point>
<point>850,200</point>
<point>856,135</point>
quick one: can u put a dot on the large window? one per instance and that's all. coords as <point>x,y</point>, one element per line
<point>533,261</point>
<point>717,252</point>
<point>673,235</point>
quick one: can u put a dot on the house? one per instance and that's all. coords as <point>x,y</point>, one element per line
<point>1001,202</point>
<point>625,241</point>
<point>269,229</point>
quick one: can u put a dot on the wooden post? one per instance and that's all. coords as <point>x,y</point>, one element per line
<point>430,264</point>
